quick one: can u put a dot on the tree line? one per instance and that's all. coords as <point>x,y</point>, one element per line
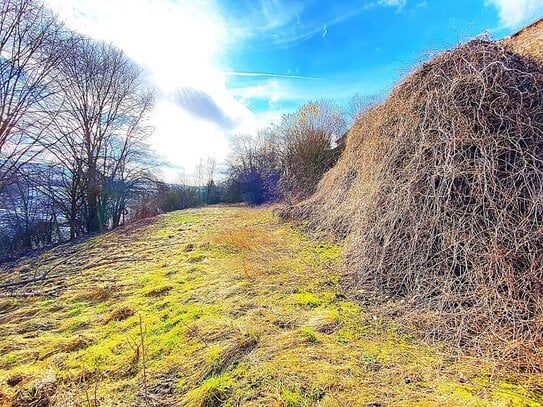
<point>287,160</point>
<point>74,153</point>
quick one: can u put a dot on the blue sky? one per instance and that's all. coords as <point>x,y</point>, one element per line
<point>231,66</point>
<point>343,47</point>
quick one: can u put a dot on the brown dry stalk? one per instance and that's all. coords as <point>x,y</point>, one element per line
<point>439,194</point>
<point>143,361</point>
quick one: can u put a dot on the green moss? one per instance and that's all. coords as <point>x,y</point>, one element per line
<point>306,299</point>
<point>309,335</point>
<point>76,309</point>
<point>196,257</point>
<point>460,393</point>
<point>8,360</point>
<point>292,398</point>
<point>214,391</point>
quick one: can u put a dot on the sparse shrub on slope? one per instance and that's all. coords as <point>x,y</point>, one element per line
<point>440,196</point>
<point>306,152</point>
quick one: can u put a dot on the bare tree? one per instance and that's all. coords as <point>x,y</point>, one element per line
<point>125,171</point>
<point>210,187</point>
<point>28,220</point>
<point>211,164</point>
<point>199,179</point>
<point>103,107</point>
<point>30,47</point>
<point>65,189</point>
<point>81,105</point>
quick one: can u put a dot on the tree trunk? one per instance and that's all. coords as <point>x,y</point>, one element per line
<point>93,222</point>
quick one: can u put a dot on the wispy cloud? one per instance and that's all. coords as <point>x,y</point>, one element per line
<point>515,13</point>
<point>268,75</point>
<point>279,93</point>
<point>284,23</point>
<point>398,4</point>
<point>290,28</point>
<point>203,106</point>
<point>264,18</point>
<point>306,30</point>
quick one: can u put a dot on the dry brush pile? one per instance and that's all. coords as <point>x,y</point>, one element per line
<point>439,195</point>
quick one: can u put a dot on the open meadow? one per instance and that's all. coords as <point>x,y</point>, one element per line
<point>236,308</point>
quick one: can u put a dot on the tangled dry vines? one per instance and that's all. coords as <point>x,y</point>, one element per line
<point>439,194</point>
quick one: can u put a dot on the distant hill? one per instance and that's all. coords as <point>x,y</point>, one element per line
<point>528,41</point>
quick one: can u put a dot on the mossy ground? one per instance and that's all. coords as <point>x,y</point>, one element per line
<point>237,309</point>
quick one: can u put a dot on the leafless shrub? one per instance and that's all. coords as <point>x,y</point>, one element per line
<point>439,194</point>
<point>306,152</point>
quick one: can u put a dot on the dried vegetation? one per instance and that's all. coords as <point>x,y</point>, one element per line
<point>439,195</point>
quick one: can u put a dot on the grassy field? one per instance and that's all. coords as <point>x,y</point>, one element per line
<point>219,306</point>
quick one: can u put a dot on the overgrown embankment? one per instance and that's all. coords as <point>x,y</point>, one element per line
<point>236,309</point>
<point>439,195</point>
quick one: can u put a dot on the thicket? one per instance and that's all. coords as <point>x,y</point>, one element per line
<point>286,161</point>
<point>439,196</point>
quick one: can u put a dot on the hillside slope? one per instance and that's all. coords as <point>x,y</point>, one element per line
<point>236,309</point>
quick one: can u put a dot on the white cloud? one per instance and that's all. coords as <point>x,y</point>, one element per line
<point>183,141</point>
<point>176,43</point>
<point>399,4</point>
<point>179,43</point>
<point>515,13</point>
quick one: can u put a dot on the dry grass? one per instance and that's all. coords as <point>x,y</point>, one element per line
<point>529,41</point>
<point>216,333</point>
<point>96,294</point>
<point>439,194</point>
<point>120,314</point>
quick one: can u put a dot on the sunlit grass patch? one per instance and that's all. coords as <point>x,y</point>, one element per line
<point>306,299</point>
<point>214,391</point>
<point>309,335</point>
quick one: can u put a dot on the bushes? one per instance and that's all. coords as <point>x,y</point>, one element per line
<point>306,151</point>
<point>175,197</point>
<point>287,161</point>
<point>439,196</point>
<point>254,168</point>
<point>256,187</point>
